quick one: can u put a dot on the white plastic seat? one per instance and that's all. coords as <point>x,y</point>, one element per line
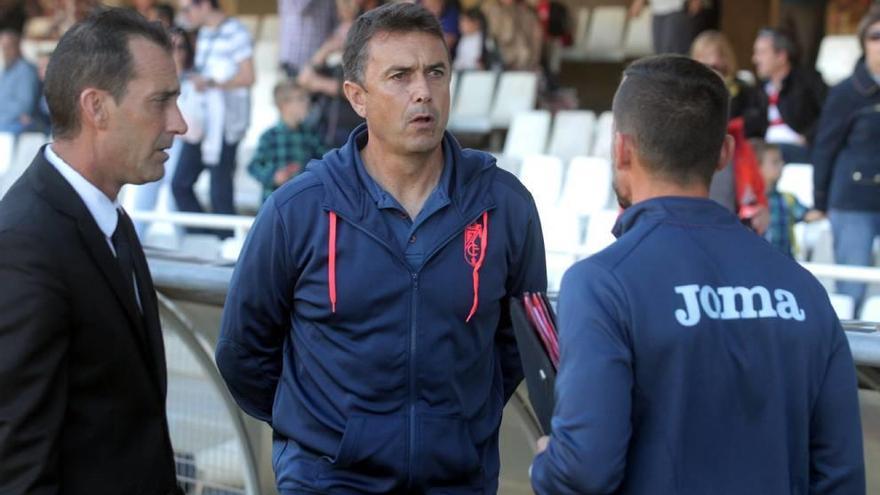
<point>528,134</point>
<point>26,147</point>
<point>604,135</point>
<point>871,309</point>
<point>265,58</point>
<point>797,178</point>
<point>587,186</point>
<point>7,148</point>
<point>843,305</point>
<point>572,134</point>
<point>604,37</point>
<point>599,228</point>
<point>471,107</point>
<point>837,57</point>
<point>638,41</point>
<point>542,176</point>
<point>517,92</point>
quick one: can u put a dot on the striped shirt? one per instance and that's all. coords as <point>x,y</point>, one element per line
<point>305,25</point>
<point>219,52</point>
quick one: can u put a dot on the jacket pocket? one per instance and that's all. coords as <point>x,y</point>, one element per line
<point>447,452</point>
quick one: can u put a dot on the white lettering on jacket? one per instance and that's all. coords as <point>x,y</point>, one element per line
<point>735,303</point>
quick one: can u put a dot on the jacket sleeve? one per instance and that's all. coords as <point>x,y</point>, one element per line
<point>830,137</point>
<point>256,316</point>
<point>836,456</point>
<point>529,274</point>
<point>591,420</point>
<point>33,377</point>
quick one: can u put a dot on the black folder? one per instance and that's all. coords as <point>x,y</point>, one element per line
<point>538,368</point>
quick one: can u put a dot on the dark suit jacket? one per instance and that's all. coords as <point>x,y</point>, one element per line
<point>800,103</point>
<point>82,371</point>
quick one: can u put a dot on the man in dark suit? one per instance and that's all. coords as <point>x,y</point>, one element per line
<point>82,366</point>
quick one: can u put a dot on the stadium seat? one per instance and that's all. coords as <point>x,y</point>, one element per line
<point>871,309</point>
<point>837,57</point>
<point>599,228</point>
<point>797,179</point>
<point>517,92</point>
<point>638,41</point>
<point>252,23</point>
<point>26,148</point>
<point>572,134</point>
<point>470,109</point>
<point>581,28</point>
<point>7,148</point>
<point>604,135</point>
<point>843,305</point>
<point>542,176</point>
<point>604,37</point>
<point>528,134</point>
<point>587,187</point>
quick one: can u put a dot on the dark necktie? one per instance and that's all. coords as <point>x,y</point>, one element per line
<point>123,246</point>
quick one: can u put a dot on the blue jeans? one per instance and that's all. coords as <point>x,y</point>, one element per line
<point>854,233</point>
<point>189,167</point>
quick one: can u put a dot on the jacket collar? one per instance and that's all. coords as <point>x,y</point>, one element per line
<point>676,209</point>
<point>862,79</point>
<point>346,193</point>
<point>57,192</point>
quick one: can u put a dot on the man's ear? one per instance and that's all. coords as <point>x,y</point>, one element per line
<point>93,106</point>
<point>622,151</point>
<point>356,95</point>
<point>727,150</point>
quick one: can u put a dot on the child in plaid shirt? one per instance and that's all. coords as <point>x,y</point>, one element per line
<point>785,209</point>
<point>285,149</point>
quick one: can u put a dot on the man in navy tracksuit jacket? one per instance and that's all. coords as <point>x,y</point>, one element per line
<point>695,358</point>
<point>375,341</point>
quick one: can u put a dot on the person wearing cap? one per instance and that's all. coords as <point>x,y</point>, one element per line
<point>367,319</point>
<point>695,357</point>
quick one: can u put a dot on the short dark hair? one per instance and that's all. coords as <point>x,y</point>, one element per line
<point>871,17</point>
<point>390,18</point>
<point>782,41</point>
<point>94,53</point>
<point>675,109</point>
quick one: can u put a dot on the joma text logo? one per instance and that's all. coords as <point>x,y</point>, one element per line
<point>735,303</point>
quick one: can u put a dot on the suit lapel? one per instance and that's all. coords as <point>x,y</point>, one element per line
<point>52,186</point>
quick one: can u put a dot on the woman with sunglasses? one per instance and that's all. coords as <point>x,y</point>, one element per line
<point>845,158</point>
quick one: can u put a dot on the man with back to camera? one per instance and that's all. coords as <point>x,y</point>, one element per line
<point>696,358</point>
<point>82,364</point>
<point>367,318</point>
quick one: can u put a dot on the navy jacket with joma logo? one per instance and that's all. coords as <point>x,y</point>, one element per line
<point>378,377</point>
<point>698,359</point>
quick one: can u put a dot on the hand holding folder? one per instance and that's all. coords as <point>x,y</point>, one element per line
<point>534,326</point>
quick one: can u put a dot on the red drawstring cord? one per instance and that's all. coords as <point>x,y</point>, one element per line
<point>331,267</point>
<point>484,245</point>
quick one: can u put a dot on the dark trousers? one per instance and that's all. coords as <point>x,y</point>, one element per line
<point>806,23</point>
<point>674,33</point>
<point>189,167</point>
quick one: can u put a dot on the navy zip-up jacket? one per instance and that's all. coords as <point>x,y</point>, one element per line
<point>377,377</point>
<point>698,359</point>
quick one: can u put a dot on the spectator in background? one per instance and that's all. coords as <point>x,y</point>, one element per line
<point>13,15</point>
<point>224,73</point>
<point>346,11</point>
<point>738,186</point>
<point>791,97</point>
<point>846,158</point>
<point>516,32</point>
<point>19,86</point>
<point>785,209</point>
<point>472,53</point>
<point>285,149</point>
<point>805,20</point>
<point>305,25</point>
<point>675,23</point>
<point>447,12</point>
<point>165,15</point>
<point>146,8</point>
